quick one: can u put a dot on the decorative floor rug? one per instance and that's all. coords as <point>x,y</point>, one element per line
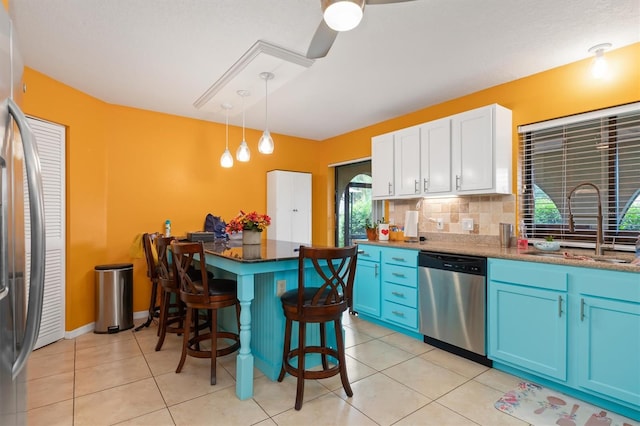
<point>540,406</point>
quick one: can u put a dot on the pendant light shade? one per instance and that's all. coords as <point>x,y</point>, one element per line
<point>265,146</point>
<point>342,15</point>
<point>226,160</point>
<point>243,153</point>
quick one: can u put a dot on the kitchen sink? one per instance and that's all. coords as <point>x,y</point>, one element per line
<point>578,257</point>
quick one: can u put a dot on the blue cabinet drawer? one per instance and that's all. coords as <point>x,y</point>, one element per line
<point>366,252</point>
<point>552,277</point>
<point>400,314</point>
<point>400,275</point>
<point>400,257</point>
<point>400,294</point>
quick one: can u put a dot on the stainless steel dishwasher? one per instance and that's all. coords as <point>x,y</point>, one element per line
<point>452,294</point>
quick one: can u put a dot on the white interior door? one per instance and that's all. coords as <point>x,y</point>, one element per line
<point>51,144</point>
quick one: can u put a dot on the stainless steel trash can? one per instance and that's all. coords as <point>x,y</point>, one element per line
<point>114,297</point>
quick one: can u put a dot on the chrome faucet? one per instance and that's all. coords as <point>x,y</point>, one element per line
<point>599,234</point>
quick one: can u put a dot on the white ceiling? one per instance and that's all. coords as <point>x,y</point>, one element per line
<point>162,55</point>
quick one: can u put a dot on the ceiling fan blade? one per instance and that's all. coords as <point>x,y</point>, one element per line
<point>321,42</point>
<point>385,1</point>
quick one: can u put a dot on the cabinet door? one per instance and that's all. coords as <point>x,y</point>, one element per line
<point>435,156</point>
<point>382,179</point>
<point>407,161</point>
<point>366,288</point>
<point>301,208</point>
<point>472,149</point>
<point>528,328</point>
<point>609,347</point>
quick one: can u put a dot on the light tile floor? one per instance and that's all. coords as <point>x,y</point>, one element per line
<point>101,379</point>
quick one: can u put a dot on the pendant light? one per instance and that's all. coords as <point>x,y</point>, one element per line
<point>226,160</point>
<point>243,154</point>
<point>265,146</point>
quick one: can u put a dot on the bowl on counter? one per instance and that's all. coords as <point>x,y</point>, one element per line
<point>547,245</point>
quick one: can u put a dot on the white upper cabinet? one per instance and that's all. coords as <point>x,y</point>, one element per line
<point>435,157</point>
<point>382,178</point>
<point>481,142</point>
<point>407,163</point>
<point>467,153</point>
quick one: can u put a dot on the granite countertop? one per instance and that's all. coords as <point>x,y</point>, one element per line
<point>490,247</point>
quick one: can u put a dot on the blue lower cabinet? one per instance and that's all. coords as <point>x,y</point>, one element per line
<point>609,348</point>
<point>528,328</point>
<point>571,327</point>
<point>366,287</point>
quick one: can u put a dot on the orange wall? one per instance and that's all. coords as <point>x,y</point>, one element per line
<point>128,170</point>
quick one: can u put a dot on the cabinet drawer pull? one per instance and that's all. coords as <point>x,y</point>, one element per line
<point>398,274</point>
<point>397,294</point>
<point>398,259</point>
<point>425,185</point>
<point>458,181</point>
<point>416,186</point>
<point>398,313</point>
<point>390,187</point>
<point>363,253</point>
<point>560,306</point>
<point>582,309</point>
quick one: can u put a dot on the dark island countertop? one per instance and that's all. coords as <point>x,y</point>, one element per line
<point>267,251</point>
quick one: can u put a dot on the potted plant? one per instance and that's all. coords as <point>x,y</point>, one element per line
<point>372,231</point>
<point>251,225</point>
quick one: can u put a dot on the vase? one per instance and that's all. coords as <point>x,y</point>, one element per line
<point>251,237</point>
<point>251,251</point>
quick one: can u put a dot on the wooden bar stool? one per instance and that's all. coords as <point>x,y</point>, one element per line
<point>335,269</point>
<point>151,256</point>
<point>207,294</point>
<point>172,316</point>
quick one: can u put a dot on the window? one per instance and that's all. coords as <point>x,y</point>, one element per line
<point>600,148</point>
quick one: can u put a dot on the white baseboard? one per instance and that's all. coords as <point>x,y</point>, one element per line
<point>87,328</point>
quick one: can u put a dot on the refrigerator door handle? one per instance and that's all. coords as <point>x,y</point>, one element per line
<point>4,230</point>
<point>36,207</point>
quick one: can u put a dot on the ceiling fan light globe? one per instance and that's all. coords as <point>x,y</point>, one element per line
<point>342,15</point>
<point>243,154</point>
<point>226,160</point>
<point>265,146</point>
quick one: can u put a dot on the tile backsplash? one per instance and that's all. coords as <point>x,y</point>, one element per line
<point>487,211</point>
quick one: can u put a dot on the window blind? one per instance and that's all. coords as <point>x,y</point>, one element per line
<point>601,148</point>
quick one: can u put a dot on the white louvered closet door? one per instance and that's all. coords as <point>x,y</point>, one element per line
<point>51,143</point>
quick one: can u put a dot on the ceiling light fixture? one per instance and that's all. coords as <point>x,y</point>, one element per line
<point>226,160</point>
<point>265,146</point>
<point>599,66</point>
<point>243,154</point>
<point>342,15</point>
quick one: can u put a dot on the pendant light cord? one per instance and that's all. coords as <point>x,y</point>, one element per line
<point>243,138</point>
<point>227,129</point>
<point>266,104</point>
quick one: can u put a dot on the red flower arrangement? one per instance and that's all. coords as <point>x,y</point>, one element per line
<point>248,221</point>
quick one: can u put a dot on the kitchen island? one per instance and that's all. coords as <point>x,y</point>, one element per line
<point>263,272</point>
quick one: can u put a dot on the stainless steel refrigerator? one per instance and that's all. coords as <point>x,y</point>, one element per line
<point>21,291</point>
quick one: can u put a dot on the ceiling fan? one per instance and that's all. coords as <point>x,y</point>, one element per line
<point>339,15</point>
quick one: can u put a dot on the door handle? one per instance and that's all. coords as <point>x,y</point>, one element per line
<point>36,208</point>
<point>4,230</point>
<point>560,306</point>
<point>375,270</point>
<point>458,179</point>
<point>416,186</point>
<point>582,309</point>
<point>390,188</point>
<point>425,185</point>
